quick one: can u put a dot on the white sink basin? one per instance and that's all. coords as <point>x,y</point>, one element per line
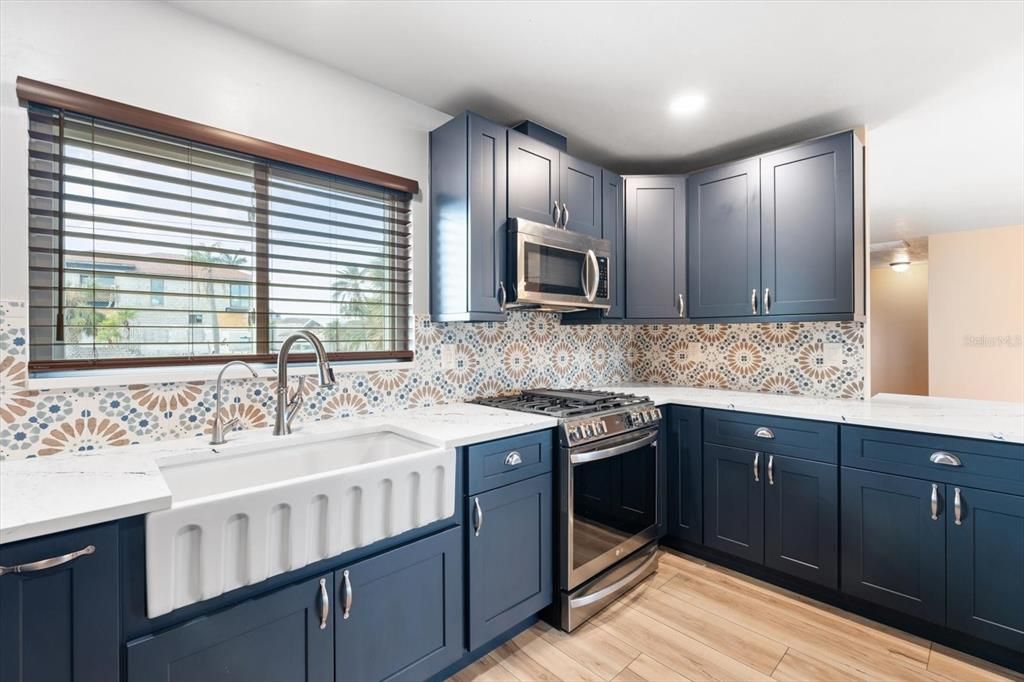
<point>255,510</point>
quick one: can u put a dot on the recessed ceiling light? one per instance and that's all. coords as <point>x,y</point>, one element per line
<point>687,104</point>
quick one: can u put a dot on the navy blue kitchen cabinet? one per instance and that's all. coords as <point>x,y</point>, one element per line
<point>655,247</point>
<point>801,519</point>
<point>723,236</point>
<point>734,501</point>
<point>509,541</point>
<point>613,228</point>
<point>580,188</point>
<point>468,216</point>
<point>685,483</point>
<point>534,171</point>
<point>985,565</point>
<point>61,622</point>
<point>894,542</point>
<point>808,228</point>
<point>285,635</point>
<point>398,616</point>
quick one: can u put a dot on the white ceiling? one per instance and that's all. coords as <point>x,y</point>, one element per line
<point>939,85</point>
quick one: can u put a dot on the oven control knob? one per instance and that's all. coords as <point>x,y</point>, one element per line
<point>653,415</point>
<point>588,430</point>
<point>574,433</point>
<point>602,428</point>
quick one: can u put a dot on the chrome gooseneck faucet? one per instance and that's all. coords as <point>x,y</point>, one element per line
<point>288,406</point>
<point>219,426</point>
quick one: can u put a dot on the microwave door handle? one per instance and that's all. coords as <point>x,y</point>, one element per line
<point>585,276</point>
<point>595,280</point>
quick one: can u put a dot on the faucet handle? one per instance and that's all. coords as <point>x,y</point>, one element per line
<point>296,396</point>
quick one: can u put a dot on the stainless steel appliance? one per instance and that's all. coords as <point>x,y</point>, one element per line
<point>610,483</point>
<point>556,270</point>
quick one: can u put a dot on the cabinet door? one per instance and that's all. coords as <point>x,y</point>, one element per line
<point>404,614</point>
<point>655,247</point>
<point>807,228</point>
<point>723,234</point>
<point>613,221</point>
<point>985,565</point>
<point>580,190</point>
<point>533,173</point>
<point>509,531</point>
<point>487,213</point>
<point>285,635</point>
<point>61,623</point>
<point>684,474</point>
<point>894,551</point>
<point>801,519</point>
<point>734,501</point>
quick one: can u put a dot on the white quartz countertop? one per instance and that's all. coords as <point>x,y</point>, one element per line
<point>983,419</point>
<point>44,495</point>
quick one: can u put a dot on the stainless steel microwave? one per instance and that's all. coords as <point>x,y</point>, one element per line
<point>556,270</point>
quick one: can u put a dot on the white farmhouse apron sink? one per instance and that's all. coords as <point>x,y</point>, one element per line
<point>257,509</point>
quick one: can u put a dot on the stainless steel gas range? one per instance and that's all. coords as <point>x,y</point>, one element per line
<point>610,499</point>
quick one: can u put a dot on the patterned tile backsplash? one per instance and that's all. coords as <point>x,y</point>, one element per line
<point>824,359</point>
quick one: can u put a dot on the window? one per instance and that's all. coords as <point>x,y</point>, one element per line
<point>147,249</point>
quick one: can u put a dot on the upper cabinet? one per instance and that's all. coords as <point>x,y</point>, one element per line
<point>655,247</point>
<point>613,228</point>
<point>779,236</point>
<point>580,190</point>
<point>723,233</point>
<point>534,172</point>
<point>468,214</point>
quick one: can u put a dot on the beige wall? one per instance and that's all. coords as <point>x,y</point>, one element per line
<point>976,314</point>
<point>899,330</point>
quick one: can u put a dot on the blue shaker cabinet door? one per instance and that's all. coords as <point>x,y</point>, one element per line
<point>685,485</point>
<point>61,623</point>
<point>894,542</point>
<point>613,220</point>
<point>985,565</point>
<point>807,228</point>
<point>655,247</point>
<point>487,207</point>
<point>723,235</point>
<point>801,519</point>
<point>533,176</point>
<point>580,189</point>
<point>509,534</point>
<point>285,635</point>
<point>734,501</point>
<point>398,616</point>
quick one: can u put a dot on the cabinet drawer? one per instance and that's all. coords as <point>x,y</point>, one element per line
<point>975,463</point>
<point>500,462</point>
<point>812,440</point>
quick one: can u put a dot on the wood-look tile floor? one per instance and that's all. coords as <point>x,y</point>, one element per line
<point>696,621</point>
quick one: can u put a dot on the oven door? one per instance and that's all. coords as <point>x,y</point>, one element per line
<point>557,269</point>
<point>609,503</point>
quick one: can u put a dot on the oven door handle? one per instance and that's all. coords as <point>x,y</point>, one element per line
<point>584,457</point>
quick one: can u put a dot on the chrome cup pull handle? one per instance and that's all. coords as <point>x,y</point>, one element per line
<point>771,469</point>
<point>757,473</point>
<point>44,564</point>
<point>346,595</point>
<point>513,459</point>
<point>478,517</point>
<point>935,501</point>
<point>325,604</point>
<point>764,432</point>
<point>958,507</point>
<point>945,459</point>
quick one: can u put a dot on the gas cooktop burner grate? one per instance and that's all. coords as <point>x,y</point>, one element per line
<point>564,404</point>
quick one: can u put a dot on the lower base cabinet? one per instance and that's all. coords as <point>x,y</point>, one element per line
<point>510,561</point>
<point>734,502</point>
<point>285,635</point>
<point>894,542</point>
<point>395,616</point>
<point>685,498</point>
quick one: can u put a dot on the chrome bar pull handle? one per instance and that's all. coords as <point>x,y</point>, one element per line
<point>478,517</point>
<point>764,432</point>
<point>753,301</point>
<point>325,604</point>
<point>757,473</point>
<point>682,306</point>
<point>346,595</point>
<point>513,459</point>
<point>767,300</point>
<point>945,459</point>
<point>44,564</point>
<point>771,469</point>
<point>935,501</point>
<point>565,216</point>
<point>502,296</point>
<point>958,507</point>
<point>556,214</point>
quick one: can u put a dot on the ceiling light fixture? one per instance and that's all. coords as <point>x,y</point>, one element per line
<point>901,264</point>
<point>687,104</point>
